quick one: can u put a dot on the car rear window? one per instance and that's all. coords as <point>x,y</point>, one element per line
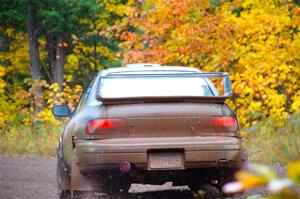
<point>152,86</point>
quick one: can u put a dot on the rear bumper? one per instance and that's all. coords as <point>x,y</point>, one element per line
<point>199,152</point>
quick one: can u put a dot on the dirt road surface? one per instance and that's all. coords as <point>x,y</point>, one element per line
<point>27,178</point>
<point>34,178</point>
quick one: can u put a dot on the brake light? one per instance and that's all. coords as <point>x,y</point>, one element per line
<point>104,126</point>
<point>223,123</point>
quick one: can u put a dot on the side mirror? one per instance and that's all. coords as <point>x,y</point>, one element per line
<point>61,111</point>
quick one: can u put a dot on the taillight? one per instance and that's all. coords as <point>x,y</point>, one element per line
<point>105,126</point>
<point>223,123</point>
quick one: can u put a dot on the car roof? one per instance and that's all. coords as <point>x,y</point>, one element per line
<point>147,69</point>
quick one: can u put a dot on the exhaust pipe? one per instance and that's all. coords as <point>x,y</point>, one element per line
<point>222,161</point>
<point>124,167</point>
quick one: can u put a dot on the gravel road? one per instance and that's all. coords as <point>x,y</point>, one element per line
<point>34,178</point>
<point>27,178</point>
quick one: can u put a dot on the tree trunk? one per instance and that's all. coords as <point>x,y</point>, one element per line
<point>51,50</point>
<point>58,70</point>
<point>35,69</point>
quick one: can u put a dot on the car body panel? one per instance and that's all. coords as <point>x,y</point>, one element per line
<point>165,126</point>
<point>197,151</point>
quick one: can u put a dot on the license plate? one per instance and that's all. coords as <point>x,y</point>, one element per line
<point>166,160</point>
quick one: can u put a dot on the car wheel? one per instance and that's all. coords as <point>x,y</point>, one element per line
<point>117,184</point>
<point>207,191</point>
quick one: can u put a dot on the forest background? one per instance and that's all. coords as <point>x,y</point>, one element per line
<point>50,49</point>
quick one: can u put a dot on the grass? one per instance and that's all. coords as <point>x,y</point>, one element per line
<point>271,145</point>
<point>266,143</point>
<point>40,141</point>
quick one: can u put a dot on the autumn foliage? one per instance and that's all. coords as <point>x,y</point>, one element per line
<point>256,41</point>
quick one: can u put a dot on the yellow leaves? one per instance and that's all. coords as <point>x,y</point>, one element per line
<point>72,62</point>
<point>47,116</point>
<point>293,171</point>
<point>258,176</point>
<point>104,51</point>
<point>87,55</point>
<point>63,44</point>
<point>54,87</point>
<point>260,48</point>
<point>69,95</point>
<point>17,57</point>
<point>296,102</point>
<point>68,78</point>
<point>250,180</point>
<point>118,9</point>
<point>264,62</point>
<point>2,82</point>
<point>2,71</point>
<point>10,32</point>
<point>2,119</point>
<point>258,45</point>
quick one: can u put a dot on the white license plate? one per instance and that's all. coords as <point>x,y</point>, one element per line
<point>166,160</point>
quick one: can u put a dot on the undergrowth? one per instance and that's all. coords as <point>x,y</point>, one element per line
<point>39,140</point>
<point>269,144</point>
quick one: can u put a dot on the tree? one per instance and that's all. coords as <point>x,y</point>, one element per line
<point>96,46</point>
<point>35,69</point>
<point>59,20</point>
<point>256,41</point>
<point>49,47</point>
<point>21,15</point>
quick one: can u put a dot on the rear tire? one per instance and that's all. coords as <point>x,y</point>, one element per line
<point>117,184</point>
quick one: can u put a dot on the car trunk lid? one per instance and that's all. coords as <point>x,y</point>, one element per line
<point>172,119</point>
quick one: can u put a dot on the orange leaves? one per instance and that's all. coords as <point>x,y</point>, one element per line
<point>258,44</point>
<point>297,11</point>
